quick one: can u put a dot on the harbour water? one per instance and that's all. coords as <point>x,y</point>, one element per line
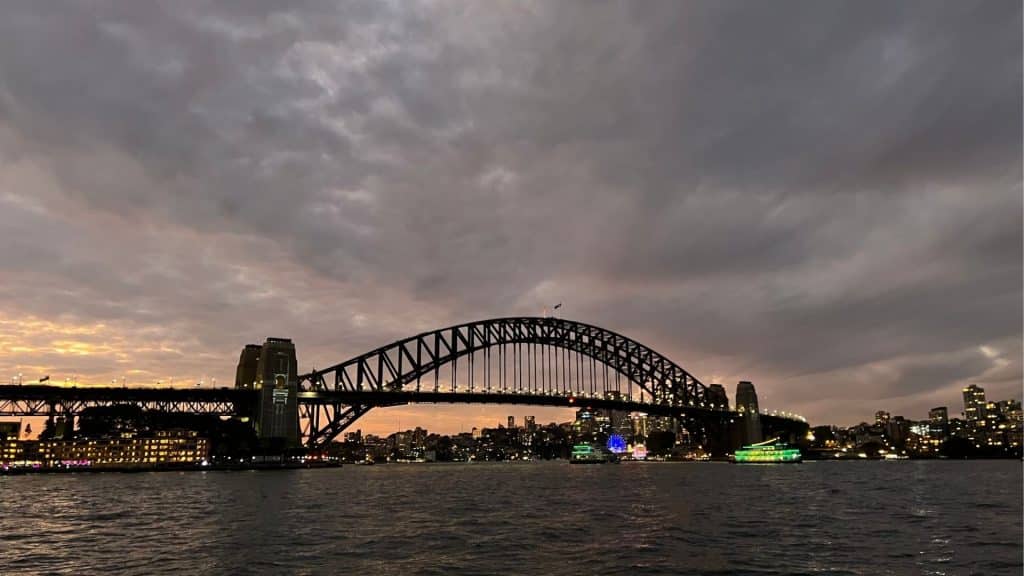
<point>909,517</point>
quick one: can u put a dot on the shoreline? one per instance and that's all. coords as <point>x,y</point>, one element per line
<point>177,468</point>
<point>302,466</point>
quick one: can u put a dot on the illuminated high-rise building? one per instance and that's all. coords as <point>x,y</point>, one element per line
<point>640,426</point>
<point>511,422</point>
<point>881,418</point>
<point>586,421</point>
<point>619,419</point>
<point>974,403</point>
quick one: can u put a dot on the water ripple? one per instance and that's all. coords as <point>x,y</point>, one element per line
<point>945,518</point>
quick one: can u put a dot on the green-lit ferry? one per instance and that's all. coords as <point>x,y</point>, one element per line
<point>591,454</point>
<point>768,452</point>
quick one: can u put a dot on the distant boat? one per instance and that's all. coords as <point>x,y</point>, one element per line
<point>767,452</point>
<point>591,454</point>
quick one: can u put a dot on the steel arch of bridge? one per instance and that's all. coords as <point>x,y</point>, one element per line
<point>398,366</point>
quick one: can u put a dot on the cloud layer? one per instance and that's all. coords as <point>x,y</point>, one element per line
<point>824,199</point>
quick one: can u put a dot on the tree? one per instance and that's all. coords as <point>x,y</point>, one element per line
<point>660,442</point>
<point>957,447</point>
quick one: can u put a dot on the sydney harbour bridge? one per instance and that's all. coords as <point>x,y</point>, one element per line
<point>541,361</point>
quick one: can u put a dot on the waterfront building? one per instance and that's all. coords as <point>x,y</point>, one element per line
<point>920,440</point>
<point>11,450</point>
<point>163,448</point>
<point>511,422</point>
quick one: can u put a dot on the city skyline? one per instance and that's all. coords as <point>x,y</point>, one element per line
<point>843,231</point>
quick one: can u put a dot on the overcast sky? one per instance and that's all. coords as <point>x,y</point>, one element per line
<point>821,197</point>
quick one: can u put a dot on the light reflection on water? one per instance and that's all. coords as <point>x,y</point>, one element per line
<point>537,518</point>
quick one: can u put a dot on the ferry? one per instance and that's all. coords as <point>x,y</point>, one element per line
<point>767,452</point>
<point>591,454</point>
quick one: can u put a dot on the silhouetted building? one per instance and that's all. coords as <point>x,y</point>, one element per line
<point>746,405</point>
<point>511,422</point>
<point>897,428</point>
<point>881,418</point>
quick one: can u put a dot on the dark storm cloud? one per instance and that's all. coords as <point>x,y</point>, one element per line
<point>813,196</point>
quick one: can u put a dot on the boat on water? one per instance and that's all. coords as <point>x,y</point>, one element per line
<point>592,454</point>
<point>768,452</point>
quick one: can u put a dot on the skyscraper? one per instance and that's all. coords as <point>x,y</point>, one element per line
<point>640,426</point>
<point>530,422</point>
<point>511,422</point>
<point>974,403</point>
<point>586,421</point>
